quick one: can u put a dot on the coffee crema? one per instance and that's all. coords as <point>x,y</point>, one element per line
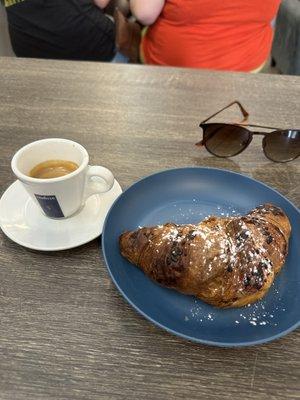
<point>53,169</point>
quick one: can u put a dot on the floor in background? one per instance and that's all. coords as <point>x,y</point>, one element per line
<point>269,69</point>
<point>5,46</point>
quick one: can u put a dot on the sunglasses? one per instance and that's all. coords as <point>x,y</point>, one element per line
<point>228,140</point>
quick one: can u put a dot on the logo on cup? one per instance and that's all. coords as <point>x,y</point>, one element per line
<point>50,206</point>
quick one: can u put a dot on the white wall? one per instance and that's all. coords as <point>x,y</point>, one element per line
<point>5,47</point>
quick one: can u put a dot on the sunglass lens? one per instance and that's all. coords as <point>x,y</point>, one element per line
<point>225,140</point>
<point>282,146</point>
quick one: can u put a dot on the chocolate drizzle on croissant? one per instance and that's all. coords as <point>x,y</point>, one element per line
<point>227,262</point>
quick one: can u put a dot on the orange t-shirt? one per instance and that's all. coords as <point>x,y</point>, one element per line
<point>215,34</point>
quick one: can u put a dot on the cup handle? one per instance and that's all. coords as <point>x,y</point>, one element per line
<point>102,185</point>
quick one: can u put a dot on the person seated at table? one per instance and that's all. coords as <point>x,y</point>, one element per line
<point>61,29</point>
<point>214,34</point>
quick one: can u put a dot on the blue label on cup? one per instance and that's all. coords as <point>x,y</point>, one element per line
<point>50,206</point>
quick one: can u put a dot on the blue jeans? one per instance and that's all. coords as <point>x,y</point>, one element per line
<point>119,58</point>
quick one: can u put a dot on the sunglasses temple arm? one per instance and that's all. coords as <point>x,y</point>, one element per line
<point>263,126</point>
<point>243,111</point>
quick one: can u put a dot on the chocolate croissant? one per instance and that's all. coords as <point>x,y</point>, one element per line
<point>226,262</point>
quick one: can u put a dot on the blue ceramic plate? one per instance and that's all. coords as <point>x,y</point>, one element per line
<point>188,195</point>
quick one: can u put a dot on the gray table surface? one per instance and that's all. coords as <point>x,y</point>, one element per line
<point>65,331</point>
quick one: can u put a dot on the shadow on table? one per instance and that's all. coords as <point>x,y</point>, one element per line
<point>75,252</point>
<point>215,162</point>
<point>282,177</point>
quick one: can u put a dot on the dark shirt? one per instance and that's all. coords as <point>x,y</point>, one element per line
<point>61,29</point>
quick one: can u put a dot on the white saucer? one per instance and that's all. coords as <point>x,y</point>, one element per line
<point>22,221</point>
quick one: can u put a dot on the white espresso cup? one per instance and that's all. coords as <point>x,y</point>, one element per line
<point>63,196</point>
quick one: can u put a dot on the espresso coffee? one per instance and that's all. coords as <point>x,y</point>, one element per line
<point>53,169</point>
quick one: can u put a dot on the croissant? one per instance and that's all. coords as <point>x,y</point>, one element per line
<point>226,262</point>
